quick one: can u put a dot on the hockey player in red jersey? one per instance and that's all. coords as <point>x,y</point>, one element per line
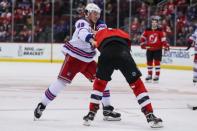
<point>154,40</point>
<point>79,58</point>
<point>114,46</point>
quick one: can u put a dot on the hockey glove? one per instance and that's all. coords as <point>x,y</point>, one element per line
<point>167,47</point>
<point>143,46</point>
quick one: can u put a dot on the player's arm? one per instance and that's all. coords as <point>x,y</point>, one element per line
<point>164,41</point>
<point>143,41</point>
<point>84,32</point>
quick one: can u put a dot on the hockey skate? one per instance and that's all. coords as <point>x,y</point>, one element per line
<point>88,118</point>
<point>195,82</point>
<point>153,121</point>
<point>156,79</point>
<point>192,107</point>
<point>148,79</point>
<point>110,115</point>
<point>38,111</point>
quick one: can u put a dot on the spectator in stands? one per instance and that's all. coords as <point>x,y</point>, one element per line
<point>43,11</point>
<point>181,22</point>
<point>2,34</point>
<point>143,10</point>
<point>170,7</point>
<point>167,29</point>
<point>135,25</point>
<point>192,13</point>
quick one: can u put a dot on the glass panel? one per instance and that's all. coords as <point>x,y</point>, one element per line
<point>43,21</point>
<point>111,13</point>
<point>177,19</point>
<point>124,15</point>
<point>61,26</point>
<point>78,7</point>
<point>184,26</point>
<point>138,20</point>
<point>167,13</point>
<point>22,21</point>
<point>5,20</point>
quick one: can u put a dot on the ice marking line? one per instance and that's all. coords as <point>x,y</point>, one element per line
<point>68,109</point>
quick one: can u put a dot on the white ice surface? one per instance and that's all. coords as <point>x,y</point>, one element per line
<point>22,85</point>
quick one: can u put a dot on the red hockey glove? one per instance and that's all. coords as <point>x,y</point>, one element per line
<point>167,47</point>
<point>189,43</point>
<point>143,46</point>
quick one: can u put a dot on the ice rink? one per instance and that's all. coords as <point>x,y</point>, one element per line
<point>22,85</point>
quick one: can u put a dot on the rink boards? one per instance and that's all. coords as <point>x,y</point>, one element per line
<point>176,58</point>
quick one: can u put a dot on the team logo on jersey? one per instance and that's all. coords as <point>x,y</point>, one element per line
<point>153,38</point>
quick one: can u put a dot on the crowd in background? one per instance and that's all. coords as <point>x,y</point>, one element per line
<point>31,20</point>
<point>178,20</point>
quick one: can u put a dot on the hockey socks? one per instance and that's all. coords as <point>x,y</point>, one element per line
<point>157,68</point>
<point>106,97</point>
<point>53,91</point>
<point>150,68</point>
<point>49,95</point>
<point>142,96</point>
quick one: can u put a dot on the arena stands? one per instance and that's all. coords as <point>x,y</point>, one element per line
<point>51,21</point>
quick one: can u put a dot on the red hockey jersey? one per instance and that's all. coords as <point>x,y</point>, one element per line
<point>108,32</point>
<point>153,39</point>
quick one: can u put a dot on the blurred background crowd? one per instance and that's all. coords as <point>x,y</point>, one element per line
<point>52,21</point>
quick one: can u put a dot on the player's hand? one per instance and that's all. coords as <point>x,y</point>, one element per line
<point>93,43</point>
<point>167,48</point>
<point>94,32</point>
<point>143,46</point>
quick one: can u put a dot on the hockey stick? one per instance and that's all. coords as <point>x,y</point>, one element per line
<point>192,107</point>
<point>188,47</point>
<point>180,49</point>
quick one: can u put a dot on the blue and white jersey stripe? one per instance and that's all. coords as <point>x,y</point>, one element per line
<point>79,46</point>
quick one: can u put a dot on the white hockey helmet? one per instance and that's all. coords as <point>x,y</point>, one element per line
<point>92,7</point>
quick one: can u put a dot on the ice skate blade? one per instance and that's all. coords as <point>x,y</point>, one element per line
<point>36,119</point>
<point>148,81</point>
<point>195,84</point>
<point>192,107</point>
<point>86,122</point>
<point>155,82</point>
<point>108,118</point>
<point>155,125</point>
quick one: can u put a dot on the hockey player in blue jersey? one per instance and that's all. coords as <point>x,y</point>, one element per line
<point>192,41</point>
<point>79,58</point>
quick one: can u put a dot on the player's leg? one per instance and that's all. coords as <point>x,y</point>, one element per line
<point>108,110</point>
<point>144,101</point>
<point>49,95</point>
<point>132,75</point>
<point>69,69</point>
<point>96,96</point>
<point>157,60</point>
<point>103,75</point>
<point>149,57</point>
